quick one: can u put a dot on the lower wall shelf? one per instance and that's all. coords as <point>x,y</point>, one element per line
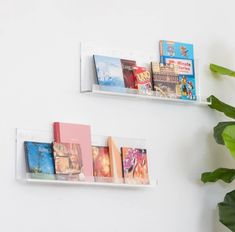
<point>46,136</point>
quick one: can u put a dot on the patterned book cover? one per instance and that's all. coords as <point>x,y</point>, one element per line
<point>68,159</point>
<point>101,164</point>
<point>143,80</point>
<point>39,157</point>
<point>116,161</point>
<point>79,134</point>
<point>135,165</point>
<point>109,71</point>
<point>129,77</point>
<point>180,55</point>
<point>165,80</point>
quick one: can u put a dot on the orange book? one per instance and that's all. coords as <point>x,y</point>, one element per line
<point>116,161</point>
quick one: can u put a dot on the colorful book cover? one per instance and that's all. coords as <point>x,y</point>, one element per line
<point>181,56</point>
<point>129,77</point>
<point>143,80</point>
<point>39,157</point>
<point>165,80</point>
<point>101,164</point>
<point>135,165</point>
<point>79,134</point>
<point>116,161</point>
<point>68,159</point>
<point>109,71</point>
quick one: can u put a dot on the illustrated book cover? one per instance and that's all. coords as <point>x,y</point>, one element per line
<point>109,71</point>
<point>129,77</point>
<point>78,134</point>
<point>39,157</point>
<point>101,164</point>
<point>181,55</point>
<point>165,80</point>
<point>116,161</point>
<point>68,158</point>
<point>135,165</point>
<point>143,80</point>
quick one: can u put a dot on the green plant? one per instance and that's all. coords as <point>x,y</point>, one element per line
<point>224,134</point>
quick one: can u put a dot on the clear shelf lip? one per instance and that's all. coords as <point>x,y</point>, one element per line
<point>132,93</point>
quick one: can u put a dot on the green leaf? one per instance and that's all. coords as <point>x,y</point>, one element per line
<point>225,174</point>
<point>221,106</point>
<point>227,211</point>
<point>221,70</point>
<point>218,130</point>
<point>229,139</point>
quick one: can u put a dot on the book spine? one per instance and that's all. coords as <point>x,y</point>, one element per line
<point>56,128</point>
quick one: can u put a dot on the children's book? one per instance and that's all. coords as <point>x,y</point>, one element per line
<point>165,80</point>
<point>68,158</point>
<point>109,71</point>
<point>181,56</point>
<point>39,157</point>
<point>101,164</point>
<point>135,165</point>
<point>115,160</point>
<point>78,134</point>
<point>143,80</point>
<point>129,77</point>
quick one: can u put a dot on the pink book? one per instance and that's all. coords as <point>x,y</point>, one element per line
<point>78,134</point>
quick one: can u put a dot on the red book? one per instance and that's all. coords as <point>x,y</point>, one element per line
<point>78,134</point>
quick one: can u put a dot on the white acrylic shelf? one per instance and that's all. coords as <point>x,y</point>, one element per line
<point>134,94</point>
<point>88,80</point>
<point>46,136</point>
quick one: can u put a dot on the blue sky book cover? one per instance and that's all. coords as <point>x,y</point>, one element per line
<point>40,157</point>
<point>109,71</point>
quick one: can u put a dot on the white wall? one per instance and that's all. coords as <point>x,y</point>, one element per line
<point>39,70</point>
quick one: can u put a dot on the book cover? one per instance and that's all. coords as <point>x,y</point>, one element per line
<point>39,157</point>
<point>165,80</point>
<point>109,71</point>
<point>116,161</point>
<point>101,164</point>
<point>68,158</point>
<point>129,77</point>
<point>135,165</point>
<point>79,134</point>
<point>143,80</point>
<point>180,55</point>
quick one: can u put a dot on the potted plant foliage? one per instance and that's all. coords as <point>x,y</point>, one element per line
<point>224,134</point>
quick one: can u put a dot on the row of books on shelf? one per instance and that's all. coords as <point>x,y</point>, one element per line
<point>172,77</point>
<point>71,156</point>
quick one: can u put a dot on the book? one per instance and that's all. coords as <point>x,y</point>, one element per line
<point>39,157</point>
<point>165,80</point>
<point>129,77</point>
<point>143,80</point>
<point>109,71</point>
<point>68,159</point>
<point>79,134</point>
<point>101,164</point>
<point>115,160</point>
<point>181,55</point>
<point>135,165</point>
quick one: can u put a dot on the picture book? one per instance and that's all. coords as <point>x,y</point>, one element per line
<point>115,160</point>
<point>127,69</point>
<point>180,55</point>
<point>109,71</point>
<point>135,165</point>
<point>78,134</point>
<point>101,164</point>
<point>39,157</point>
<point>165,80</point>
<point>143,80</point>
<point>68,158</point>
